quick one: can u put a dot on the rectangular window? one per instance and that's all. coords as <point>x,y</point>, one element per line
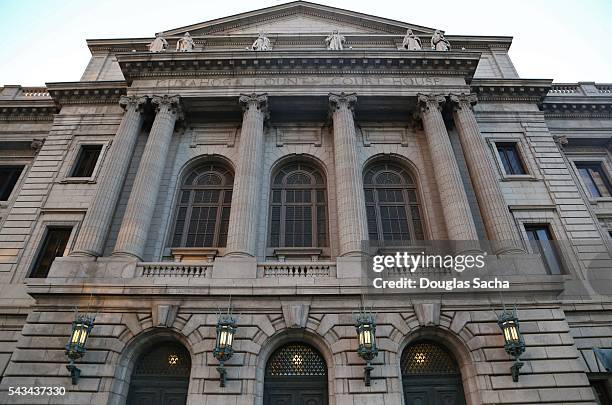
<point>595,179</point>
<point>542,241</point>
<point>510,157</point>
<point>86,160</point>
<point>8,178</point>
<point>53,246</point>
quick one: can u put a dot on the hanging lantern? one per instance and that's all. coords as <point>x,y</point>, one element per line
<point>513,340</point>
<point>81,328</point>
<point>226,327</point>
<point>366,336</point>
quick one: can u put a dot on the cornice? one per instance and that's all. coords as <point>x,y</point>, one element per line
<point>579,100</point>
<point>146,65</point>
<point>511,90</point>
<point>578,109</point>
<point>13,111</point>
<point>97,92</point>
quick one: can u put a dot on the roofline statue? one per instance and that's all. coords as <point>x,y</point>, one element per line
<point>159,44</point>
<point>412,42</point>
<point>439,43</point>
<point>185,44</point>
<point>335,41</point>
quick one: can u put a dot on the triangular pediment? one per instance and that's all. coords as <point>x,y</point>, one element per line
<point>299,17</point>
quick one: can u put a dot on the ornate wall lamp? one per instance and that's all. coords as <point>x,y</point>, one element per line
<point>81,328</point>
<point>514,343</point>
<point>366,335</point>
<point>226,327</point>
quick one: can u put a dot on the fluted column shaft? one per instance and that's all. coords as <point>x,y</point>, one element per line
<point>455,205</point>
<point>244,214</point>
<point>350,198</point>
<point>97,221</point>
<point>493,208</point>
<point>141,204</point>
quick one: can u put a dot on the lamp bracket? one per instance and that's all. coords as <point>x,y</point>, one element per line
<point>367,374</point>
<point>75,372</point>
<point>516,367</point>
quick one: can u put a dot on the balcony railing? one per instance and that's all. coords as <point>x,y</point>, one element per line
<point>297,269</point>
<point>171,269</point>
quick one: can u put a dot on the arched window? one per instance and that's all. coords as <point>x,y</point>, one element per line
<point>203,210</point>
<point>430,375</point>
<point>296,373</point>
<point>392,203</point>
<point>298,207</point>
<point>161,376</point>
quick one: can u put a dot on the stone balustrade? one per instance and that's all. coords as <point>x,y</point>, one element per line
<point>171,269</point>
<point>580,89</point>
<point>297,269</point>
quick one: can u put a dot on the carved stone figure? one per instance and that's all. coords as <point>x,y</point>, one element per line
<point>185,44</point>
<point>335,41</point>
<point>262,43</point>
<point>159,44</point>
<point>411,41</point>
<point>439,43</point>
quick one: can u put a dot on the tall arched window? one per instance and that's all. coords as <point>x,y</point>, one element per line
<point>298,207</point>
<point>203,210</point>
<point>392,203</point>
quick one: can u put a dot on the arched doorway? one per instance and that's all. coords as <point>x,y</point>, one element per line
<point>430,375</point>
<point>296,374</point>
<point>161,376</point>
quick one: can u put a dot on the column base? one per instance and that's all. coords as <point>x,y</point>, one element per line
<point>126,256</point>
<point>84,253</point>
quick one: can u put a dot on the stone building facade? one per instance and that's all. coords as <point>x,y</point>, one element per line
<point>239,171</point>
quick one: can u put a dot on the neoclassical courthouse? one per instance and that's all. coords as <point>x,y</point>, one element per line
<point>244,164</point>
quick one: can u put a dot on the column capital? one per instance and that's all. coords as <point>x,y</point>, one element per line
<point>133,102</point>
<point>428,101</point>
<point>172,103</point>
<point>343,99</point>
<point>254,100</point>
<point>463,100</point>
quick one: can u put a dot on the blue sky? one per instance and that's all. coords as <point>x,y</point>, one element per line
<point>569,41</point>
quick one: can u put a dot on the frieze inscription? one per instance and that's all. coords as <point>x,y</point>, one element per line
<point>301,81</point>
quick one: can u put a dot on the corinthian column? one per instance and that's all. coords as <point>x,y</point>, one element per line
<point>352,222</point>
<point>94,230</point>
<point>137,218</point>
<point>244,213</point>
<point>455,206</point>
<point>493,208</point>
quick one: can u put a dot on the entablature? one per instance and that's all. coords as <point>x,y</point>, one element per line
<point>95,92</point>
<point>579,100</point>
<point>511,90</point>
<point>137,65</point>
<point>19,103</point>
